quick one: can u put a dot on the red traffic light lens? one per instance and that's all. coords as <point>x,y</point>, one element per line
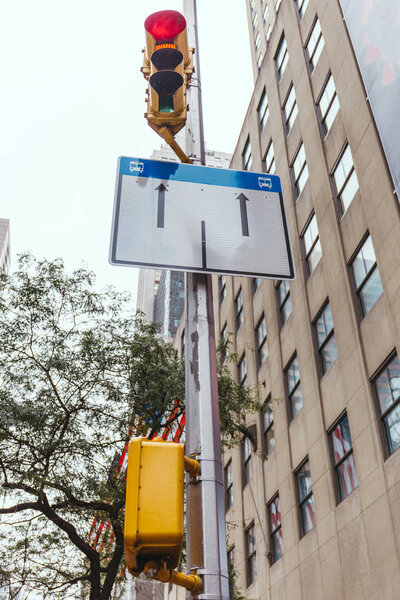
<point>165,24</point>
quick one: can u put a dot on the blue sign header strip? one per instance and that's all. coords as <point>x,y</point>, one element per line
<point>157,169</point>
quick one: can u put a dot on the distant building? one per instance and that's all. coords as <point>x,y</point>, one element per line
<point>4,245</point>
<point>160,292</point>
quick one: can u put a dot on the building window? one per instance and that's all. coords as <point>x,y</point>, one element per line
<point>251,557</point>
<point>255,20</point>
<point>255,284</point>
<point>269,160</point>
<point>259,60</point>
<point>242,371</point>
<point>246,455</point>
<point>222,288</point>
<point>315,44</point>
<point>281,57</point>
<point>301,7</point>
<point>268,34</point>
<point>252,4</point>
<point>266,13</point>
<point>366,276</point>
<point>268,426</point>
<point>246,156</point>
<point>290,109</point>
<point>262,346</point>
<point>263,110</point>
<point>345,179</point>
<point>277,5</point>
<point>387,388</point>
<point>183,343</point>
<point>224,340</point>
<point>327,349</point>
<point>312,244</point>
<point>305,497</point>
<point>285,303</point>
<point>328,104</point>
<point>274,511</point>
<point>300,170</point>
<point>344,467</point>
<point>228,486</point>
<point>239,309</point>
<point>257,40</point>
<point>293,386</point>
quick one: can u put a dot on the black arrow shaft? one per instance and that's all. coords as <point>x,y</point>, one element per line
<point>243,214</point>
<point>161,207</point>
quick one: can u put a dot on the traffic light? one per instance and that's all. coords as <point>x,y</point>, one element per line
<point>154,503</point>
<point>168,67</point>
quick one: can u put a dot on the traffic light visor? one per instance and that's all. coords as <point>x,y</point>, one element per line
<point>165,24</point>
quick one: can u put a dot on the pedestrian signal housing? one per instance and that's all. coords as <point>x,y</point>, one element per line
<point>154,503</point>
<point>168,67</point>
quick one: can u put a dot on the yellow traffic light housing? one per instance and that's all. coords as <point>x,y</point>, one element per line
<point>168,67</point>
<point>154,503</point>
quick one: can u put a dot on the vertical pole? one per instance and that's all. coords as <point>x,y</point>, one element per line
<point>205,516</point>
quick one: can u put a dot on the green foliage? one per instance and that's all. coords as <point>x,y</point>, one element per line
<point>236,401</point>
<point>78,371</point>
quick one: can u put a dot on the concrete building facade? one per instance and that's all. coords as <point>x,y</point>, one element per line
<point>313,510</point>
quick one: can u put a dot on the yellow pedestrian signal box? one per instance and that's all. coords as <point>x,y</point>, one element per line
<point>168,67</point>
<point>154,503</point>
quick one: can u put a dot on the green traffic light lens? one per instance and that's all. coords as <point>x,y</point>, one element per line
<point>166,104</point>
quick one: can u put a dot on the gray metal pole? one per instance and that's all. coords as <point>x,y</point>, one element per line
<point>205,515</point>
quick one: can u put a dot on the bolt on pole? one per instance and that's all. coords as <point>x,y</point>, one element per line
<point>205,514</point>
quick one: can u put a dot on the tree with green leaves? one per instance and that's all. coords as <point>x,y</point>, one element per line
<point>79,373</point>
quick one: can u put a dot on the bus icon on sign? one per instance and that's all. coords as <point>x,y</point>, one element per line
<point>135,165</point>
<point>265,182</point>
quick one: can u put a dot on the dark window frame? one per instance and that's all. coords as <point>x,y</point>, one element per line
<point>357,289</point>
<point>342,460</point>
<point>282,302</point>
<point>247,450</point>
<point>264,116</point>
<point>302,501</point>
<point>228,485</point>
<point>239,315</point>
<point>285,57</point>
<point>320,346</point>
<point>274,531</point>
<point>267,166</point>
<point>308,253</point>
<point>261,343</point>
<point>339,192</point>
<point>296,178</point>
<point>290,393</point>
<point>382,415</point>
<point>247,159</point>
<point>323,117</point>
<point>251,554</point>
<point>289,113</point>
<point>222,288</point>
<point>267,427</point>
<point>242,377</point>
<point>310,57</point>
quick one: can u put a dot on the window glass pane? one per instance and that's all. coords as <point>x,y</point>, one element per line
<point>315,44</point>
<point>371,291</point>
<point>364,261</point>
<point>287,309</point>
<point>270,439</point>
<point>329,353</point>
<point>347,477</point>
<point>282,57</point>
<point>310,234</point>
<point>308,514</point>
<point>349,191</point>
<point>388,385</point>
<point>293,374</point>
<point>314,256</point>
<point>392,424</point>
<point>304,481</point>
<point>268,415</point>
<point>296,401</point>
<point>278,545</point>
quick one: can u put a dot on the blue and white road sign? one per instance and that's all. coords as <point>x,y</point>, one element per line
<point>191,218</point>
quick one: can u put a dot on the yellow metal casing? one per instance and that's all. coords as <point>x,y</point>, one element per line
<point>154,503</point>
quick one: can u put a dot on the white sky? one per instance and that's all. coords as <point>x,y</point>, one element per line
<point>72,101</point>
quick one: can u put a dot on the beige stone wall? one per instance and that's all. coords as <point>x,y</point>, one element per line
<point>353,551</point>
